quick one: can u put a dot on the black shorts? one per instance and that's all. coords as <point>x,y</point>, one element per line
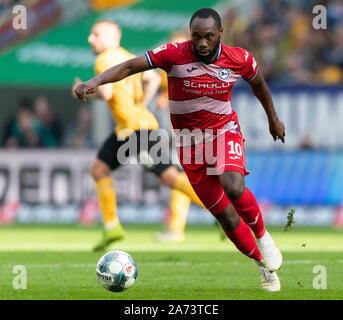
<point>115,152</point>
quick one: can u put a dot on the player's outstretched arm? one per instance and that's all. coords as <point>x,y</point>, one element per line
<point>262,93</point>
<point>114,74</point>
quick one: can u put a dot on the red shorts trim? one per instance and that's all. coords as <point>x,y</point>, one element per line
<point>233,167</point>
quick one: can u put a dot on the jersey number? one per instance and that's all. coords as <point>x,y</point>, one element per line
<point>235,148</point>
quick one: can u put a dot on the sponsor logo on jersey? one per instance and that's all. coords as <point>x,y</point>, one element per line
<point>162,47</point>
<point>205,85</point>
<point>223,74</point>
<point>191,69</point>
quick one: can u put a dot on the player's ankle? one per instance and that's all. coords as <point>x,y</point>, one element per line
<point>111,225</point>
<point>260,234</point>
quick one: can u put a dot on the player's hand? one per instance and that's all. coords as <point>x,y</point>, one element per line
<point>77,82</point>
<point>84,88</point>
<point>277,129</point>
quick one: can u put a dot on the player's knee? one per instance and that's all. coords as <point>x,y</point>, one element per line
<point>169,176</point>
<point>233,184</point>
<point>99,171</point>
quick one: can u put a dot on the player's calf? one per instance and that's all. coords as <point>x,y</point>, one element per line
<point>229,219</point>
<point>239,233</point>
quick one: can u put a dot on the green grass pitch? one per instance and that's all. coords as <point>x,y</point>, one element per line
<point>60,264</point>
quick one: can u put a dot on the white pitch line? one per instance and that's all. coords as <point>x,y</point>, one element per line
<point>160,263</point>
<point>51,265</point>
<point>311,261</point>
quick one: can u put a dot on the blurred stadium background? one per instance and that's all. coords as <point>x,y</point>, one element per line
<point>44,178</point>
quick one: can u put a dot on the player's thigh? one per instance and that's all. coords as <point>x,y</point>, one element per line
<point>109,152</point>
<point>212,194</point>
<point>100,169</point>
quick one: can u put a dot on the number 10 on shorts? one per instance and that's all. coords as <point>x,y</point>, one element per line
<point>235,149</point>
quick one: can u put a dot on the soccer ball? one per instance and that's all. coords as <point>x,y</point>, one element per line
<point>116,271</point>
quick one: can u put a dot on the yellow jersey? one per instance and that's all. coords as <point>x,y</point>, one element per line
<point>164,81</point>
<point>126,104</point>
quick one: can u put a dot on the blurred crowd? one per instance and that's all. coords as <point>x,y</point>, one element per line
<point>281,35</point>
<point>35,125</point>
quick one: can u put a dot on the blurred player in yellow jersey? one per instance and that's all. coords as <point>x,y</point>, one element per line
<point>180,202</point>
<point>125,100</point>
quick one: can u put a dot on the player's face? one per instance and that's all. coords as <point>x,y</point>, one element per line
<point>97,38</point>
<point>205,37</point>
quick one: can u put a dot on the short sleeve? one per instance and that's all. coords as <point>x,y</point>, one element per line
<point>162,57</point>
<point>249,68</point>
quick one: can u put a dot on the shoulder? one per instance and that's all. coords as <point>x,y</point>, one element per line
<point>240,61</point>
<point>103,61</point>
<point>110,58</point>
<point>235,55</point>
<point>174,53</point>
<point>183,51</point>
<point>116,55</point>
<point>124,54</point>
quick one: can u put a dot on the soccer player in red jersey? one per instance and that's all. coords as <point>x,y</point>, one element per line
<point>201,73</point>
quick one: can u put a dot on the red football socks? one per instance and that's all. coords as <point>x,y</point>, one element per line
<point>248,209</point>
<point>244,241</point>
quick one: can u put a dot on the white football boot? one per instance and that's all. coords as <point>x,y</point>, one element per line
<point>271,254</point>
<point>270,280</point>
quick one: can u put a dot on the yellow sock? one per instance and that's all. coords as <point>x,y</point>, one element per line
<point>182,184</point>
<point>179,206</point>
<point>108,202</point>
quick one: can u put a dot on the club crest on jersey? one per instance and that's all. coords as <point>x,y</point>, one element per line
<point>223,74</point>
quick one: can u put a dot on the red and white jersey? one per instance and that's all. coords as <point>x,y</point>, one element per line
<point>199,93</point>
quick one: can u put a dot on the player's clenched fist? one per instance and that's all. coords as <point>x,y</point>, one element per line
<point>85,88</point>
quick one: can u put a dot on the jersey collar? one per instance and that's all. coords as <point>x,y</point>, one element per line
<point>219,52</point>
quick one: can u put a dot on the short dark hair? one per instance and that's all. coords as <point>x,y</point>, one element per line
<point>206,13</point>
